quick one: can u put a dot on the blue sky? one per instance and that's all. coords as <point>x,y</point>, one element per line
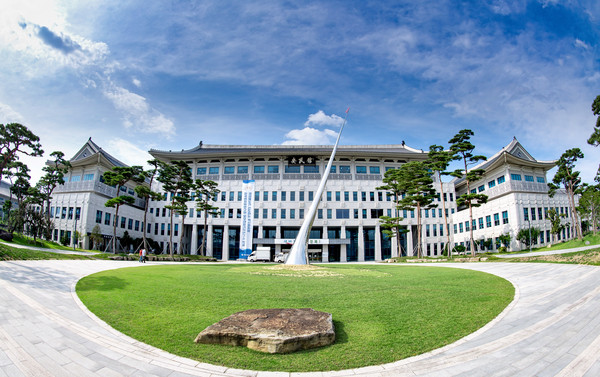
<point>135,75</point>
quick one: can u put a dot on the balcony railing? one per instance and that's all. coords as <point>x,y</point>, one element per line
<point>97,187</point>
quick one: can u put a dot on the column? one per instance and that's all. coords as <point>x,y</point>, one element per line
<point>225,243</point>
<point>325,248</point>
<point>194,240</point>
<point>209,241</point>
<point>343,252</point>
<point>378,251</point>
<point>361,244</point>
<point>409,242</point>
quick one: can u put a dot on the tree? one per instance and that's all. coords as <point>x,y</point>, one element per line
<point>55,173</point>
<point>205,193</point>
<point>462,150</point>
<point>438,161</point>
<point>20,189</point>
<point>589,204</point>
<point>570,180</point>
<point>595,137</point>
<point>416,186</point>
<point>118,177</point>
<point>17,139</point>
<point>527,236</point>
<point>391,225</point>
<point>96,236</point>
<point>504,240</point>
<point>146,192</point>
<point>556,225</point>
<point>176,178</point>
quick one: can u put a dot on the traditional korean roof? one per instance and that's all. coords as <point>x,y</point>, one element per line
<point>90,152</point>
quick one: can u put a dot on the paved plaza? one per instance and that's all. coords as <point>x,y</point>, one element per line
<point>552,328</point>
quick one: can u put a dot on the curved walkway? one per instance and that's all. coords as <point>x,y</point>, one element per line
<point>551,328</point>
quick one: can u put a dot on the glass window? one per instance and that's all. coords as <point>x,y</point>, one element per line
<point>310,196</point>
<point>274,196</point>
<point>259,169</point>
<point>488,221</point>
<point>107,219</point>
<point>529,178</point>
<point>274,169</point>
<point>265,196</point>
<point>515,177</point>
<point>130,224</point>
<point>361,170</point>
<point>98,216</point>
<point>283,213</point>
<point>292,169</point>
<point>88,177</point>
<point>338,196</point>
<point>481,188</point>
<point>283,196</point>
<point>301,198</point>
<point>201,171</point>
<point>504,217</point>
<point>242,170</point>
<point>229,170</point>
<point>496,219</point>
<point>328,196</point>
<point>374,170</point>
<point>500,179</point>
<point>333,169</point>
<point>311,168</point>
<point>213,170</point>
<point>329,214</point>
<point>76,178</point>
<point>344,169</point>
<point>491,184</point>
<point>540,179</point>
<point>292,196</point>
<point>526,214</point>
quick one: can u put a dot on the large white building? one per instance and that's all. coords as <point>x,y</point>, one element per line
<point>347,226</point>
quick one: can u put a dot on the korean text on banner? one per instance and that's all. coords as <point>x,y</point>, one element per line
<point>247,219</point>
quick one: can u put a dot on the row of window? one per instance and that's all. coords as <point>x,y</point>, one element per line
<point>65,212</point>
<point>527,211</point>
<point>464,227</point>
<point>274,169</point>
<point>77,178</point>
<point>130,224</point>
<point>528,178</point>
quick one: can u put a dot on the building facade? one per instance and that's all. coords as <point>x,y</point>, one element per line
<point>286,178</point>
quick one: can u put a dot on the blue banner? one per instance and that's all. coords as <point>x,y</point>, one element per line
<point>247,219</point>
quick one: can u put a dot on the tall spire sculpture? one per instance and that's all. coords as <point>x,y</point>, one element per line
<point>299,253</point>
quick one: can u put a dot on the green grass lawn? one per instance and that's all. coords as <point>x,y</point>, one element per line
<point>13,253</point>
<point>382,313</point>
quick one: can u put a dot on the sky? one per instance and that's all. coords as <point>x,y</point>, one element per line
<point>139,75</point>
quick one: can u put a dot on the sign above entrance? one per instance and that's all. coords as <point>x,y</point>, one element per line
<point>312,241</point>
<point>302,160</point>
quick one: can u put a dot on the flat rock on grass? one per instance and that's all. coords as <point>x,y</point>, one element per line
<point>272,330</point>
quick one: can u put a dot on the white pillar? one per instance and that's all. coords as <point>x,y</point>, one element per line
<point>378,251</point>
<point>225,243</point>
<point>361,244</point>
<point>194,240</point>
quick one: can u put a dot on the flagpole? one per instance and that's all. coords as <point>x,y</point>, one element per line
<point>299,252</point>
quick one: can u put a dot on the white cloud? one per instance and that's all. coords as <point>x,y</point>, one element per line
<point>8,115</point>
<point>581,44</point>
<point>138,114</point>
<point>136,82</point>
<point>321,119</point>
<point>310,136</point>
<point>128,152</point>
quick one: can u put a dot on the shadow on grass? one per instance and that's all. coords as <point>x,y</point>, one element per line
<point>101,284</point>
<point>340,335</point>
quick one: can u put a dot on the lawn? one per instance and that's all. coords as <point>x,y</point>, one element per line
<point>12,253</point>
<point>382,313</point>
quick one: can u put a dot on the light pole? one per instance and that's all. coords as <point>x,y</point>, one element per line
<point>529,222</point>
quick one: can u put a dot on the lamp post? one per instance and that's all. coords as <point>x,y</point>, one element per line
<point>529,222</point>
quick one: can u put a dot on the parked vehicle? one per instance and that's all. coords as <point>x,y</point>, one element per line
<point>280,257</point>
<point>260,254</point>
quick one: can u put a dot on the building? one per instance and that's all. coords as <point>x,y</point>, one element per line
<point>78,204</point>
<point>347,226</point>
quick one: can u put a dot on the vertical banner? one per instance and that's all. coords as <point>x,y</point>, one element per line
<point>247,219</point>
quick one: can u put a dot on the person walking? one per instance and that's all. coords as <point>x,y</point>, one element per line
<point>143,251</point>
<point>141,255</point>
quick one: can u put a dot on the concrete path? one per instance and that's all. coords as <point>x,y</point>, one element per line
<point>548,252</point>
<point>552,328</point>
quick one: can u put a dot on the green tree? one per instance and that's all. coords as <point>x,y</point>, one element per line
<point>96,236</point>
<point>462,150</point>
<point>146,192</point>
<point>528,236</point>
<point>391,225</point>
<point>118,177</point>
<point>206,191</point>
<point>176,178</point>
<point>504,240</point>
<point>556,225</point>
<point>415,183</point>
<point>55,174</point>
<point>20,189</point>
<point>589,204</point>
<point>567,177</point>
<point>438,161</point>
<point>17,139</point>
<point>595,137</point>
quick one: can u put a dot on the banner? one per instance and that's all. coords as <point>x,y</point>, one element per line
<point>247,219</point>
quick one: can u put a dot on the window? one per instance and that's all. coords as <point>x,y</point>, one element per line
<point>355,196</point>
<point>63,214</point>
<point>70,213</point>
<point>467,226</point>
<point>526,214</point>
<point>374,170</point>
<point>488,221</point>
<point>500,179</point>
<point>481,188</point>
<point>76,178</point>
<point>515,177</point>
<point>311,168</point>
<point>88,177</point>
<point>361,170</point>
<point>259,169</point>
<point>292,196</point>
<point>301,196</point>
<point>301,213</point>
<point>292,213</point>
<point>342,213</point>
<point>328,196</point>
<point>491,184</point>
<point>329,215</point>
<point>265,213</point>
<point>363,196</point>
<point>540,217</point>
<point>455,229</point>
<point>496,219</point>
<point>460,227</point>
<point>274,196</point>
<point>481,223</point>
<point>256,196</point>
<point>130,224</point>
<point>242,170</point>
<point>338,196</point>
<point>319,214</point>
<point>239,196</point>
<point>283,213</point>
<point>310,196</point>
<point>213,170</point>
<point>273,169</point>
<point>427,230</point>
<point>441,230</point>
<point>107,219</point>
<point>364,213</point>
<point>265,196</point>
<point>533,214</point>
<point>229,170</point>
<point>201,171</point>
<point>529,178</point>
<point>162,229</point>
<point>346,196</point>
<point>283,196</point>
<point>292,169</point>
<point>273,213</point>
<point>540,179</point>
<point>333,169</point>
<point>344,169</point>
<point>504,217</point>
<point>426,213</point>
<point>98,217</point>
<point>231,196</point>
<point>123,221</point>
